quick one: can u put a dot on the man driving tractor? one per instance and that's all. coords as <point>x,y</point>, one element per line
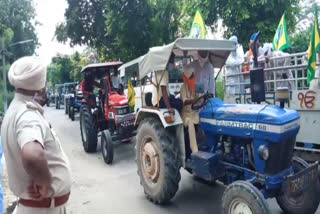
<point>88,83</point>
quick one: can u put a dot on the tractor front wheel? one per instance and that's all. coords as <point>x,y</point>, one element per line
<point>158,161</point>
<point>107,147</point>
<point>306,202</point>
<point>88,130</point>
<point>243,197</point>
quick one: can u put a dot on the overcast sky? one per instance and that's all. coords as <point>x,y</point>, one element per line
<point>49,14</point>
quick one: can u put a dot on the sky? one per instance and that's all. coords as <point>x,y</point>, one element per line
<point>49,14</point>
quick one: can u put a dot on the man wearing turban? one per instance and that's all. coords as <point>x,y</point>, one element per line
<point>38,169</point>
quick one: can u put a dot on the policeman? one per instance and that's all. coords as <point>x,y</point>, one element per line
<point>38,169</point>
<point>188,95</point>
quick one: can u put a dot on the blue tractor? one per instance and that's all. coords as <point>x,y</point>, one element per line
<point>249,148</point>
<point>75,103</point>
<point>58,95</point>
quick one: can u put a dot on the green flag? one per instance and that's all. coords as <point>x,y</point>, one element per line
<point>313,47</point>
<point>131,96</point>
<point>198,28</point>
<point>281,39</point>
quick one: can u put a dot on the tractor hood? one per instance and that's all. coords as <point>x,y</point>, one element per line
<point>249,119</point>
<point>116,99</point>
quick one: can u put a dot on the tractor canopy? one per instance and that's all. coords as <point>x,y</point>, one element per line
<point>99,70</point>
<point>157,58</point>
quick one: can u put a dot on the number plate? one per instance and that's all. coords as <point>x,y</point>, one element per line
<point>302,180</point>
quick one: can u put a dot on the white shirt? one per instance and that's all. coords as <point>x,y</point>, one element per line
<point>115,81</point>
<point>204,75</point>
<point>160,78</point>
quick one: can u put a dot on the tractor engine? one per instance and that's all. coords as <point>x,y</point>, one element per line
<point>259,138</point>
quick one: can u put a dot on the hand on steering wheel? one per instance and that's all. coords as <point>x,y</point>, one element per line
<point>201,101</point>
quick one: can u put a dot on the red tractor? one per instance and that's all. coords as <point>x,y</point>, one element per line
<point>106,114</point>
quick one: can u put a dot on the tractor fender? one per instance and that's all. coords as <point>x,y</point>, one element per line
<point>159,114</point>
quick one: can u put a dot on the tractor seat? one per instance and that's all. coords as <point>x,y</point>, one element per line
<point>148,99</point>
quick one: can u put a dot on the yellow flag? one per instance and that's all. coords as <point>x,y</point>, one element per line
<point>281,39</point>
<point>314,47</point>
<point>198,29</point>
<point>131,96</point>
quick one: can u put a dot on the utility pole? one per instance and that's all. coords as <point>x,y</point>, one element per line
<point>5,93</point>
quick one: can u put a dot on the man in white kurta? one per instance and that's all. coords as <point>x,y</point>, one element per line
<point>190,117</point>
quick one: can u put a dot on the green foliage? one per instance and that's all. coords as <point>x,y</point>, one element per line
<point>220,89</point>
<point>19,17</point>
<point>300,41</point>
<point>66,69</point>
<point>248,16</point>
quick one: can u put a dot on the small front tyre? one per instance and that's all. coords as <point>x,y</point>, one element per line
<point>107,147</point>
<point>242,197</point>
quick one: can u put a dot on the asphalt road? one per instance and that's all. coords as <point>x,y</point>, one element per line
<point>101,188</point>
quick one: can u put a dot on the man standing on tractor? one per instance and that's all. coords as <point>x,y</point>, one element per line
<point>38,169</point>
<point>161,90</point>
<point>190,117</point>
<point>88,83</point>
<point>115,80</point>
<point>204,72</point>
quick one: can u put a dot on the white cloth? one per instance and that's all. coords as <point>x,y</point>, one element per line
<point>24,123</point>
<point>233,66</point>
<point>204,75</point>
<point>28,73</point>
<point>115,80</point>
<point>160,78</point>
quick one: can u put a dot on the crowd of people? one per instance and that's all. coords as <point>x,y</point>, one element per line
<point>238,62</point>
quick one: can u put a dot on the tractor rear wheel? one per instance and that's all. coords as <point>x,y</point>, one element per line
<point>158,161</point>
<point>88,131</point>
<point>66,106</point>
<point>107,147</point>
<point>57,103</point>
<point>243,197</point>
<point>306,202</point>
<point>71,112</point>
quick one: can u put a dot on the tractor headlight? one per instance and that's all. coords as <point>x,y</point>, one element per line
<point>263,152</point>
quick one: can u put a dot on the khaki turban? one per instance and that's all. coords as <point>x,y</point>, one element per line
<point>28,73</point>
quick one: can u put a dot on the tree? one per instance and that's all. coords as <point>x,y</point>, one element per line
<point>248,16</point>
<point>19,16</point>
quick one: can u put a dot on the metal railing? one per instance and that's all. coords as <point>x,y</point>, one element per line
<point>298,68</point>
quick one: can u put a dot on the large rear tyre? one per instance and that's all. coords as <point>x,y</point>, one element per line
<point>71,113</point>
<point>158,161</point>
<point>242,197</point>
<point>57,103</point>
<point>88,131</point>
<point>107,147</point>
<point>66,106</point>
<point>306,202</point>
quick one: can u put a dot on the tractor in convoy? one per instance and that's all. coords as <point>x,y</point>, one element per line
<point>58,95</point>
<point>68,89</point>
<point>107,113</point>
<point>249,148</point>
<point>75,103</point>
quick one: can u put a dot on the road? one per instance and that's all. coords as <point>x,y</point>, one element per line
<point>115,189</point>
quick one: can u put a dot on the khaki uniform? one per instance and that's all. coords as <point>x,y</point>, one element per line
<point>160,78</point>
<point>24,123</point>
<point>189,116</point>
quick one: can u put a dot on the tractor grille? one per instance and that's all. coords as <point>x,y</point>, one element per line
<point>122,110</point>
<point>280,155</point>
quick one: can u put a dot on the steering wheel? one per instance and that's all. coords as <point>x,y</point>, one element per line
<point>201,102</point>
